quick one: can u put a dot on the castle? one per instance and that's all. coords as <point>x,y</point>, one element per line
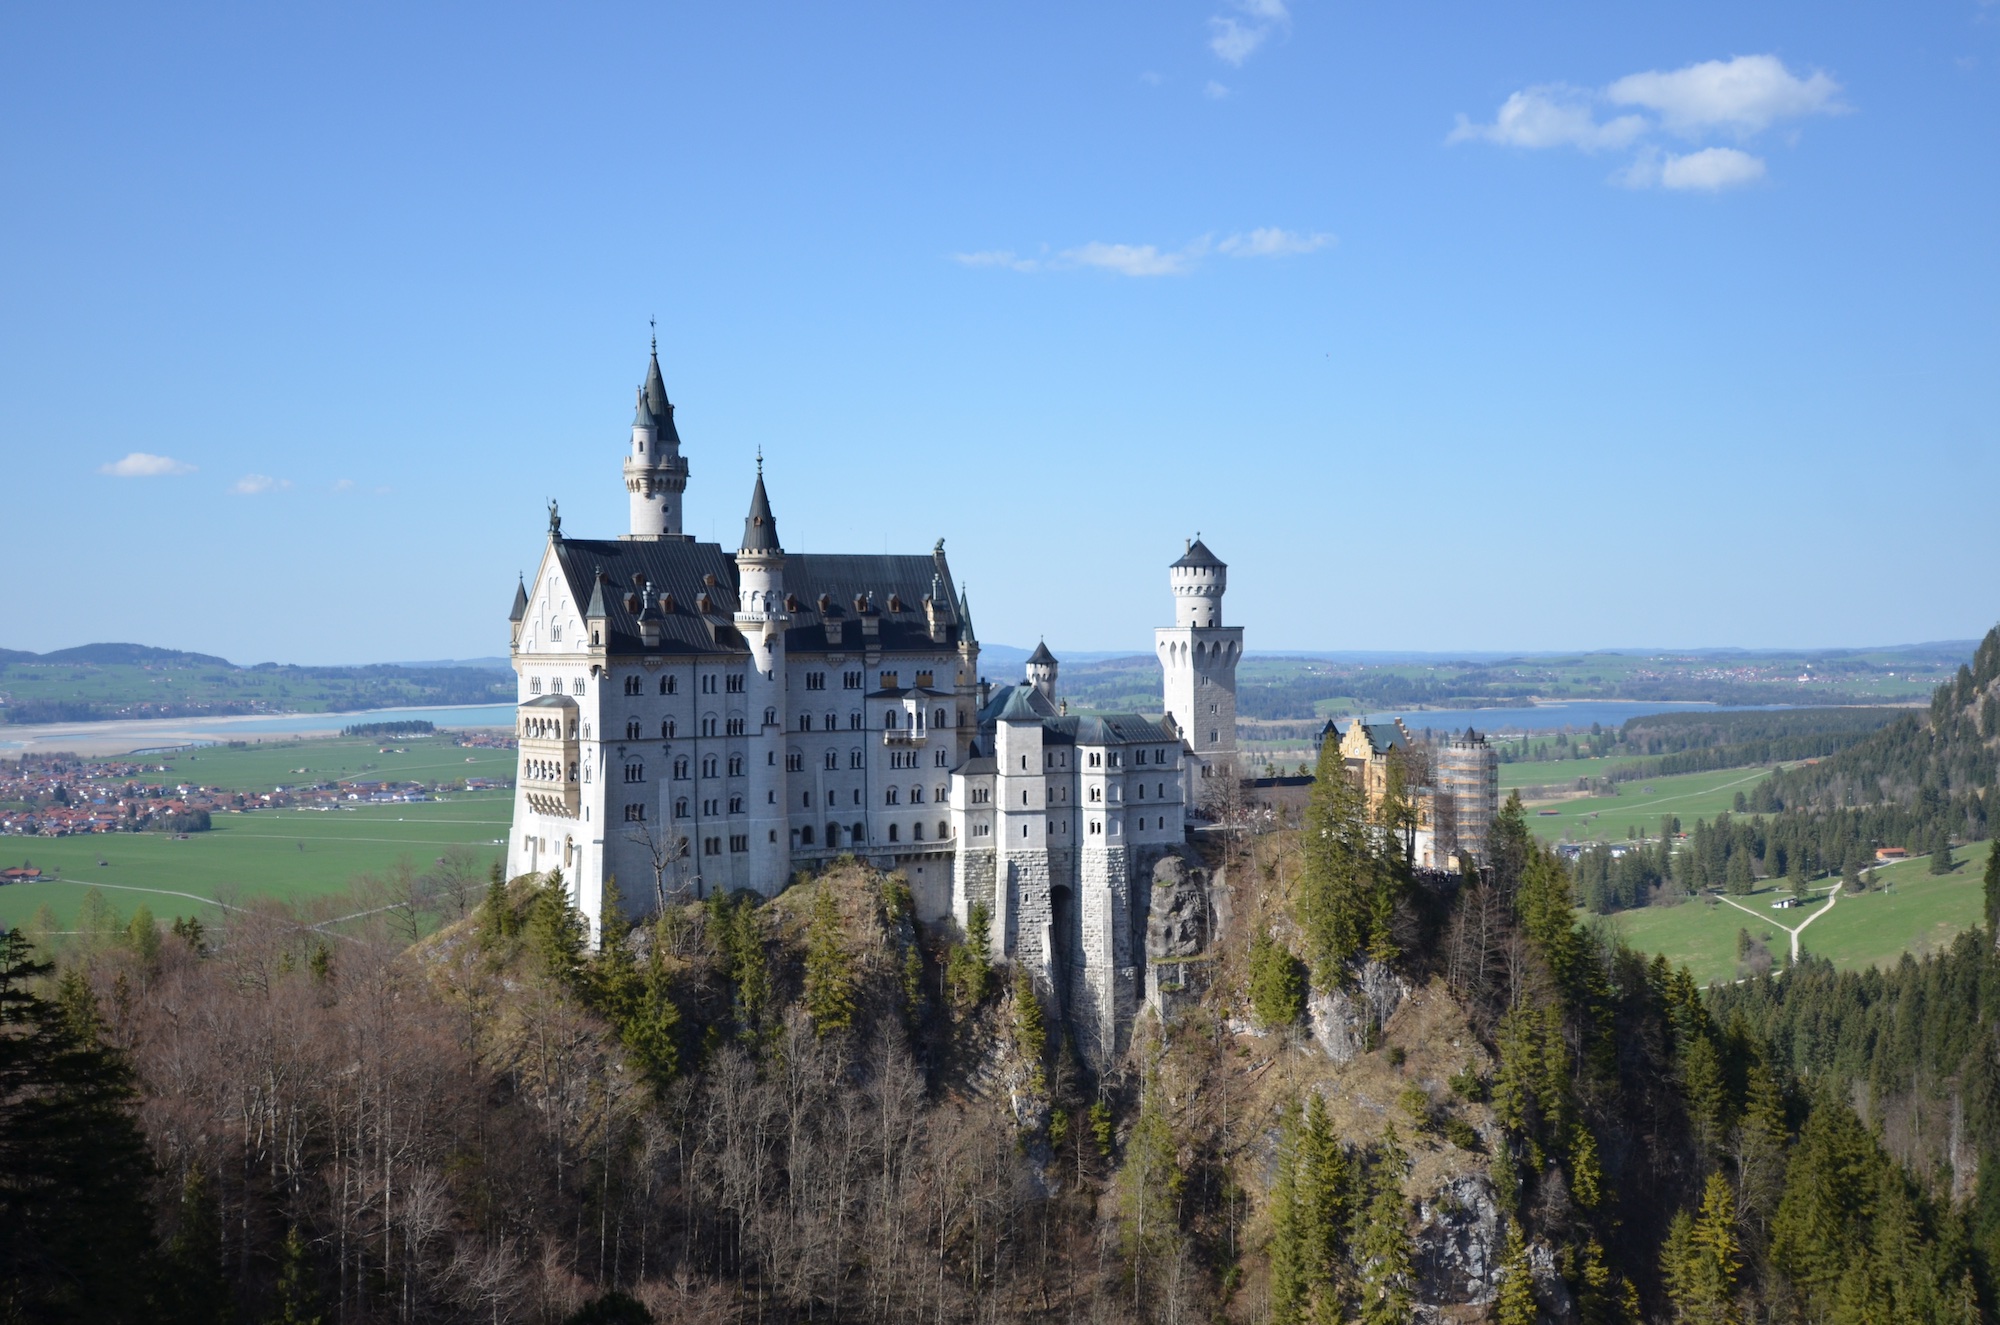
<point>692,719</point>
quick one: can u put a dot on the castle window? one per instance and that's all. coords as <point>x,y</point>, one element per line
<point>736,805</point>
<point>534,685</point>
<point>942,794</point>
<point>635,813</point>
<point>805,722</point>
<point>632,730</point>
<point>939,760</point>
<point>858,834</point>
<point>735,685</point>
<point>794,762</point>
<point>667,730</point>
<point>889,720</point>
<point>680,770</point>
<point>736,766</point>
<point>982,830</point>
<point>815,681</point>
<point>892,833</point>
<point>833,835</point>
<point>832,760</point>
<point>708,766</point>
<point>937,718</point>
<point>944,830</point>
<point>850,680</point>
<point>806,836</point>
<point>1213,736</point>
<point>916,795</point>
<point>635,771</point>
<point>891,796</point>
<point>735,726</point>
<point>711,846</point>
<point>739,842</point>
<point>916,832</point>
<point>680,807</point>
<point>670,685</point>
<point>708,725</point>
<point>855,759</point>
<point>854,722</point>
<point>1142,791</point>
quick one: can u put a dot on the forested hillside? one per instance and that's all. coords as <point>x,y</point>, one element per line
<point>1382,1095</point>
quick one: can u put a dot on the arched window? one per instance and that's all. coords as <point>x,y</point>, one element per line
<point>889,720</point>
<point>916,795</point>
<point>892,833</point>
<point>937,718</point>
<point>858,834</point>
<point>680,807</point>
<point>832,722</point>
<point>708,766</point>
<point>832,759</point>
<point>805,722</point>
<point>889,796</point>
<point>944,830</point>
<point>680,770</point>
<point>806,836</point>
<point>770,717</point>
<point>916,832</point>
<point>667,730</point>
<point>833,835</point>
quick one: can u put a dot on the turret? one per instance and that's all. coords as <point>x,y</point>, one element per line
<point>655,473</point>
<point>1042,671</point>
<point>761,619</point>
<point>1199,579</point>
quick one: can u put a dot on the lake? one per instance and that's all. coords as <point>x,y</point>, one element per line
<point>120,735</point>
<point>1573,714</point>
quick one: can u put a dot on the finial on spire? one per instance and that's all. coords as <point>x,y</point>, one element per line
<point>654,323</point>
<point>760,462</point>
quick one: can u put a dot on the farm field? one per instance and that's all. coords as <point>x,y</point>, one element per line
<point>1909,910</point>
<point>1640,805</point>
<point>284,852</point>
<point>1551,772</point>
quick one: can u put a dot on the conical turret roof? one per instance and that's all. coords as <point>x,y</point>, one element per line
<point>654,397</point>
<point>1198,555</point>
<point>1041,657</point>
<point>520,601</point>
<point>597,607</point>
<point>760,527</point>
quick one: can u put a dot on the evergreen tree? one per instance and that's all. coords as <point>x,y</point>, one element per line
<point>830,980</point>
<point>557,932</point>
<point>76,1235</point>
<point>1382,1250</point>
<point>1336,907</point>
<point>1993,889</point>
<point>1277,984</point>
<point>969,969</point>
<point>1031,1033</point>
<point>142,934</point>
<point>1516,1301</point>
<point>1942,861</point>
<point>193,1287</point>
<point>298,1300</point>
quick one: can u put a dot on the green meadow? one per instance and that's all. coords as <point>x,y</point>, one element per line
<point>291,853</point>
<point>1639,806</point>
<point>1908,909</point>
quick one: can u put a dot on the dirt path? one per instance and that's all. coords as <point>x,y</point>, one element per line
<point>1793,930</point>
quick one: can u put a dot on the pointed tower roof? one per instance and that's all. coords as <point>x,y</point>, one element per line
<point>965,613</point>
<point>760,527</point>
<point>1041,657</point>
<point>1198,555</point>
<point>597,607</point>
<point>654,397</point>
<point>520,600</point>
<point>642,416</point>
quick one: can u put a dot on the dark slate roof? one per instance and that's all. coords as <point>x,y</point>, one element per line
<point>1198,555</point>
<point>760,527</point>
<point>1383,736</point>
<point>979,764</point>
<point>1041,656</point>
<point>520,601</point>
<point>1109,729</point>
<point>550,702</point>
<point>897,692</point>
<point>596,608</point>
<point>677,567</point>
<point>1016,703</point>
<point>642,416</point>
<point>655,396</point>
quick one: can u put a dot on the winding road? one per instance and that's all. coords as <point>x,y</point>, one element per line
<point>1831,898</point>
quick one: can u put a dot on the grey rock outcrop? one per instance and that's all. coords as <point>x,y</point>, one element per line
<point>1345,1020</point>
<point>1460,1244</point>
<point>1178,923</point>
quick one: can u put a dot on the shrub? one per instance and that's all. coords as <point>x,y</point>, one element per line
<point>1277,984</point>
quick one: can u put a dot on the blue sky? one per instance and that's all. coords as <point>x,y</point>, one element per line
<point>1448,326</point>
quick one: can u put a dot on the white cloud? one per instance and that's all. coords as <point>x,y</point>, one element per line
<point>1136,259</point>
<point>1271,242</point>
<point>1711,169</point>
<point>1740,97</point>
<point>253,485</point>
<point>1215,91</point>
<point>141,465</point>
<point>343,485</point>
<point>1151,259</point>
<point>1744,95</point>
<point>1234,40</point>
<point>1553,115</point>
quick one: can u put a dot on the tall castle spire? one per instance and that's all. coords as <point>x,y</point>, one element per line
<point>655,472</point>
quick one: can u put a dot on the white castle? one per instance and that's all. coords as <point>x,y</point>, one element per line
<point>692,719</point>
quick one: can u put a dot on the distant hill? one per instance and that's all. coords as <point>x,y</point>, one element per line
<point>98,682</point>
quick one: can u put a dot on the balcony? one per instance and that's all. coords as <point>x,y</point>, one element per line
<point>550,756</point>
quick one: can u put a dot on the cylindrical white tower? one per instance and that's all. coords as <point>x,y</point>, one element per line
<point>655,473</point>
<point>1198,579</point>
<point>1042,671</point>
<point>761,619</point>
<point>1198,657</point>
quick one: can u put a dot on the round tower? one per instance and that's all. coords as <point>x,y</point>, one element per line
<point>655,473</point>
<point>1199,579</point>
<point>1042,671</point>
